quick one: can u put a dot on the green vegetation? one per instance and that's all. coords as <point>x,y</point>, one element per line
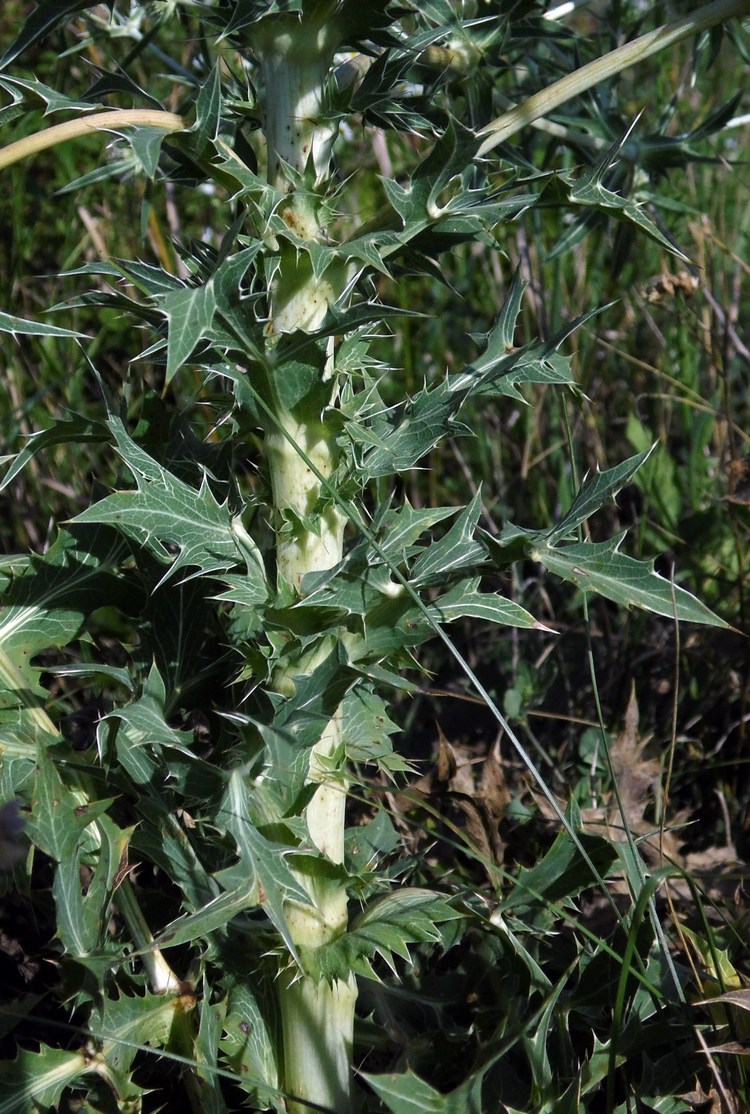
<point>354,753</point>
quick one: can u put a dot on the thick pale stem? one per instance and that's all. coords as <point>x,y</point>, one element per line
<point>295,58</point>
<point>317,1017</point>
<point>310,539</point>
<point>318,1028</point>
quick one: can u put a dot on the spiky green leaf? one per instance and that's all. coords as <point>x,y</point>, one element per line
<point>17,326</point>
<point>166,512</point>
<point>600,567</point>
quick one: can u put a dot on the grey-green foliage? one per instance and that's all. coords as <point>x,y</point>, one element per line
<point>198,768</point>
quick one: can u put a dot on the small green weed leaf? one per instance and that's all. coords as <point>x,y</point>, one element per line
<point>189,313</point>
<point>597,490</point>
<point>192,521</point>
<point>35,1081</point>
<point>600,567</point>
<point>18,326</point>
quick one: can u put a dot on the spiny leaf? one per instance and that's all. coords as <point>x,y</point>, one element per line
<point>45,17</point>
<point>165,511</point>
<point>262,874</point>
<point>457,550</point>
<point>77,430</point>
<point>465,600</point>
<point>35,1081</point>
<point>596,490</point>
<point>46,606</point>
<point>387,928</point>
<point>397,441</point>
<point>588,190</point>
<point>58,825</point>
<point>143,720</point>
<point>17,325</point>
<point>146,144</point>
<point>600,567</point>
<point>366,730</point>
<point>133,1019</point>
<point>406,1093</point>
<point>208,107</point>
<point>189,312</point>
<point>402,527</point>
<point>54,100</point>
<point>561,874</point>
<point>248,1044</point>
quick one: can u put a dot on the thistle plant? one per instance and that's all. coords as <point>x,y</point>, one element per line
<point>279,614</point>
